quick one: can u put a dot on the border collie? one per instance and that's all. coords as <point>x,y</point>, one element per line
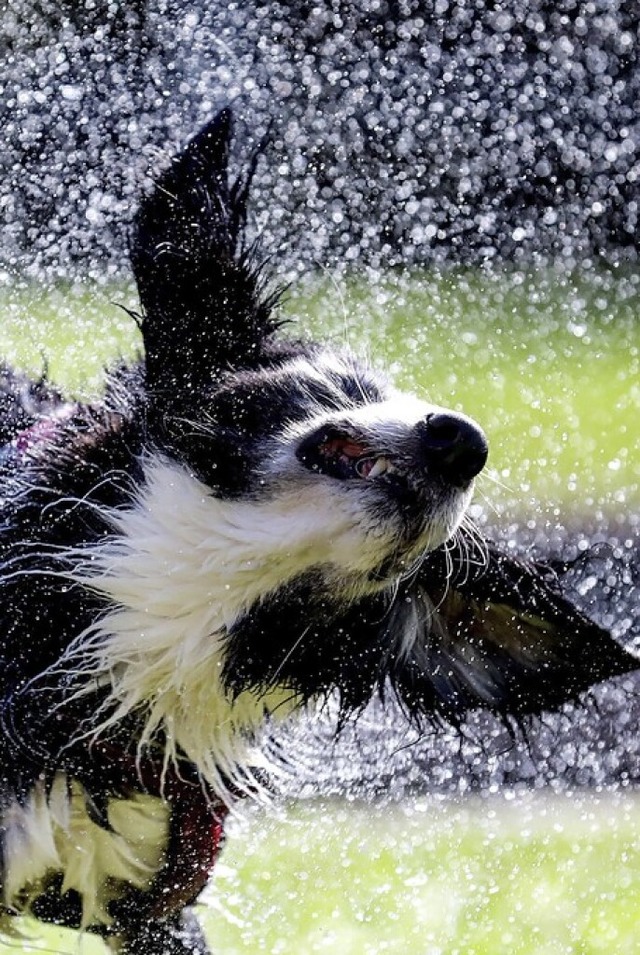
<point>244,525</point>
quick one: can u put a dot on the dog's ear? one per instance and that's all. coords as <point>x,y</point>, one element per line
<point>203,295</point>
<point>496,632</point>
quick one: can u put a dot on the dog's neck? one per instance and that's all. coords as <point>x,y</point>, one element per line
<point>178,571</point>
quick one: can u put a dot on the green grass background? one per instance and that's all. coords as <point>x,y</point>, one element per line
<point>549,364</point>
<point>550,875</point>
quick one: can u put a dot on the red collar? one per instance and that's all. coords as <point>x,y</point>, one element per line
<point>196,826</point>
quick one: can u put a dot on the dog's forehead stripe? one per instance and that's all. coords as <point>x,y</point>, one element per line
<point>343,374</point>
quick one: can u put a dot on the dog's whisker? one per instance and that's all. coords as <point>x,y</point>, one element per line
<point>492,476</point>
<point>288,656</point>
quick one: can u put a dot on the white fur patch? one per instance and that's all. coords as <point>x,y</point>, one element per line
<point>54,833</point>
<point>181,568</point>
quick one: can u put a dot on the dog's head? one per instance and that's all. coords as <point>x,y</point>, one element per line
<point>319,498</point>
<point>368,479</point>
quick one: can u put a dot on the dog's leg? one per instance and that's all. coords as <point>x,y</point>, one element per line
<point>181,935</point>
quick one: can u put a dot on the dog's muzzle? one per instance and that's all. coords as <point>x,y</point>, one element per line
<point>443,447</point>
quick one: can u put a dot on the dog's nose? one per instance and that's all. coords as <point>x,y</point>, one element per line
<point>452,446</point>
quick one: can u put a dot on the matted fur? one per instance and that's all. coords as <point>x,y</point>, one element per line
<point>245,525</point>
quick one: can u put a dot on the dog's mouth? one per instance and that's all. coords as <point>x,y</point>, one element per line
<point>340,455</point>
<point>442,450</point>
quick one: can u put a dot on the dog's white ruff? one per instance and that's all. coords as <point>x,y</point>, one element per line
<point>179,570</point>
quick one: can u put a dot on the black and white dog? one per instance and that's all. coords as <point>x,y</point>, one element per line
<point>245,524</point>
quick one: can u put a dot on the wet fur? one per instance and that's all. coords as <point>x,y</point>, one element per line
<point>193,551</point>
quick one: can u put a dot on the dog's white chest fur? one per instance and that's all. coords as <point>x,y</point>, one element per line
<point>180,568</point>
<point>54,833</point>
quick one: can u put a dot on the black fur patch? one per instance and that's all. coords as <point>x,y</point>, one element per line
<point>455,637</point>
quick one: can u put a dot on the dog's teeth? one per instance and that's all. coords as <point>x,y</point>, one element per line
<point>379,467</point>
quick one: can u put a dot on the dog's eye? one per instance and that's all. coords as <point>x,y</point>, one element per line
<point>341,455</point>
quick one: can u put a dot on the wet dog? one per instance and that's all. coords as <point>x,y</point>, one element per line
<point>246,524</point>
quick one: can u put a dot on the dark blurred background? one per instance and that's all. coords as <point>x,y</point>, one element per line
<point>407,131</point>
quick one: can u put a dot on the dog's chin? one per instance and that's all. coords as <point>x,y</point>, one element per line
<point>411,534</point>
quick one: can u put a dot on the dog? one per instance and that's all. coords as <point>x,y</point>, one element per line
<point>245,524</point>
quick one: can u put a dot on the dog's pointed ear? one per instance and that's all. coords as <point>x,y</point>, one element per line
<point>491,632</point>
<point>496,632</point>
<point>203,295</point>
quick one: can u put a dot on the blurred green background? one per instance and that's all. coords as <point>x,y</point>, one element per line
<point>532,875</point>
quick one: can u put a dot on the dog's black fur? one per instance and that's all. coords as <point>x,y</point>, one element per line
<point>227,405</point>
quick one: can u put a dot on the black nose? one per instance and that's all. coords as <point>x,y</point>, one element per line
<point>452,446</point>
